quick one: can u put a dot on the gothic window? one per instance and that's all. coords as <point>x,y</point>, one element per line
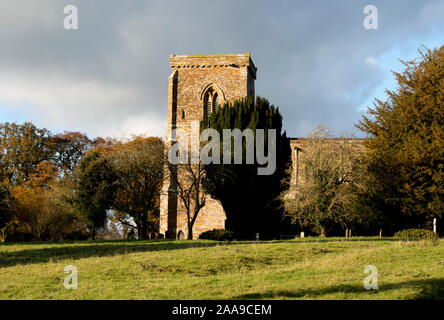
<point>183,114</point>
<point>208,99</point>
<point>212,99</point>
<point>215,102</point>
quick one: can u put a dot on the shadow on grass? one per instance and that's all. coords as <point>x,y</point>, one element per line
<point>344,240</point>
<point>86,249</point>
<point>93,249</point>
<point>431,289</point>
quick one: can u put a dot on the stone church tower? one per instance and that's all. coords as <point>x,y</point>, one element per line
<point>198,85</point>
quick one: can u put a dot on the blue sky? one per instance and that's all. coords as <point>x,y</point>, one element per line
<point>109,78</point>
<point>390,62</point>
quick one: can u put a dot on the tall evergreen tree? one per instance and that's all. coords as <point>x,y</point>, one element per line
<point>406,143</point>
<point>250,200</point>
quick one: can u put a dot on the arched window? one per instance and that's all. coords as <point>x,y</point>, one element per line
<point>215,102</point>
<point>213,97</point>
<point>181,235</point>
<point>208,99</point>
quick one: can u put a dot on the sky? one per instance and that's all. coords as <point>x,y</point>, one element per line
<point>109,78</point>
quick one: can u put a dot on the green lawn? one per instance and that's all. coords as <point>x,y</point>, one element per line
<point>310,268</point>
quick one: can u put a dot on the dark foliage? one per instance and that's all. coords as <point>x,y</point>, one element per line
<point>250,200</point>
<point>415,234</point>
<point>95,190</point>
<point>405,149</point>
<point>218,235</point>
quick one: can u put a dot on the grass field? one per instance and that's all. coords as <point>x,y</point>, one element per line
<point>309,268</point>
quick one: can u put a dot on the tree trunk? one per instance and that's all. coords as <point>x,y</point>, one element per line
<point>93,233</point>
<point>142,227</point>
<point>190,231</point>
<point>142,231</point>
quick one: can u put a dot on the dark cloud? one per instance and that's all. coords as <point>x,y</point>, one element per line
<point>315,59</point>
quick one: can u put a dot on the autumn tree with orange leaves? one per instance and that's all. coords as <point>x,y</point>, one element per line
<point>39,207</point>
<point>36,174</point>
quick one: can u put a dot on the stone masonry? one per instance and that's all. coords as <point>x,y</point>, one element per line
<point>199,84</point>
<point>297,146</point>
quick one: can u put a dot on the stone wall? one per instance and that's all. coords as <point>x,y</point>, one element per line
<point>231,77</point>
<point>298,145</point>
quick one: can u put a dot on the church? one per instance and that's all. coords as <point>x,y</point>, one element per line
<point>199,85</point>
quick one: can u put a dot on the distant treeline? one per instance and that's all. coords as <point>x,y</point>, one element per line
<point>68,186</point>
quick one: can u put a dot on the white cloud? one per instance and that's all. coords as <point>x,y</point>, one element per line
<point>316,61</point>
<point>97,107</point>
<point>371,61</point>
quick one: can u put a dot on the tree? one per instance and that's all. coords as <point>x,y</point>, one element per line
<point>38,169</point>
<point>96,188</point>
<point>22,148</point>
<point>139,167</point>
<point>328,194</point>
<point>39,208</point>
<point>5,209</point>
<point>70,148</point>
<point>405,149</point>
<point>188,179</point>
<point>251,201</point>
